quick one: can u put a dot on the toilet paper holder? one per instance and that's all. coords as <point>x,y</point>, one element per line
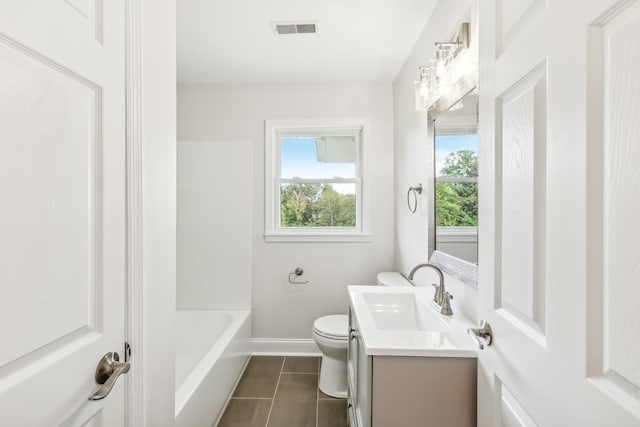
<point>295,275</point>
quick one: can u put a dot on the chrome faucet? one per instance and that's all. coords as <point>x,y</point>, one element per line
<point>441,297</point>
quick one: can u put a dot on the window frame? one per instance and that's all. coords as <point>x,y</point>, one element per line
<point>276,129</point>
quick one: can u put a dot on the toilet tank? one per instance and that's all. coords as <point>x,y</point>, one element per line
<point>391,278</point>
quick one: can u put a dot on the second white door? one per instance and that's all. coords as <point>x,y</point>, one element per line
<point>559,196</point>
<point>62,215</point>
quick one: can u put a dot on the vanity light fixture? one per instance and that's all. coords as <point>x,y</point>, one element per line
<point>450,64</point>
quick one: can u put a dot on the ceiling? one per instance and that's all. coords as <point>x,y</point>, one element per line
<point>232,41</point>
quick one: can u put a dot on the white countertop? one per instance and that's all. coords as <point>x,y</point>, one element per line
<point>437,335</point>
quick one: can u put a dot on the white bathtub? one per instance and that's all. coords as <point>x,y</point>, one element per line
<point>212,348</point>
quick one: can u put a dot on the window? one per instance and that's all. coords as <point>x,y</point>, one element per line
<point>314,181</point>
<point>456,169</point>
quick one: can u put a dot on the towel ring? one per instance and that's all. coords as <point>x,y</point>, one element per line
<point>415,191</point>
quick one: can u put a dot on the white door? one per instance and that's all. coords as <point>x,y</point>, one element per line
<point>62,211</point>
<point>560,199</point>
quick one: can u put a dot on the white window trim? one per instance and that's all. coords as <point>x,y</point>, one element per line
<point>456,128</point>
<point>457,179</point>
<point>463,234</point>
<point>273,232</point>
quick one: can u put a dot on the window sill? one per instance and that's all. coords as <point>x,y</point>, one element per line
<point>457,234</point>
<point>316,238</point>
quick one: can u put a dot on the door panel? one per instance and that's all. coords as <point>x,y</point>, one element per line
<point>512,414</point>
<point>512,18</point>
<point>90,17</point>
<point>62,184</point>
<point>47,173</point>
<point>622,198</point>
<point>520,281</point>
<point>615,326</point>
<point>559,109</point>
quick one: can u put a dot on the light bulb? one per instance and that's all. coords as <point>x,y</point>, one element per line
<point>421,95</point>
<point>424,89</point>
<point>441,63</point>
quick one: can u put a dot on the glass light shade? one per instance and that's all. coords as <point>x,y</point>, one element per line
<point>443,86</point>
<point>442,60</point>
<point>421,95</point>
<point>462,65</point>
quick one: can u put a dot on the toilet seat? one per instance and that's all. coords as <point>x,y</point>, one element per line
<point>333,327</point>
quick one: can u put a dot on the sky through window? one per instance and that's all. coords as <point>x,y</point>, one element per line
<point>299,159</point>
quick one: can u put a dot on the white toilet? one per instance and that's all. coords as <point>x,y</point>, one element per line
<point>331,334</point>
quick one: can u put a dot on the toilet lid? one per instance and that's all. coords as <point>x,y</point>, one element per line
<point>336,325</point>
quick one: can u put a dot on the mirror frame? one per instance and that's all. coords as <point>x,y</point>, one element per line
<point>462,270</point>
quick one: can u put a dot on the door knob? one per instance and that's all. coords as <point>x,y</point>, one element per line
<point>482,335</point>
<point>107,373</point>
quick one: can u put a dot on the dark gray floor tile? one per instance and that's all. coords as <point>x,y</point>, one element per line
<point>260,378</point>
<point>301,364</point>
<point>246,413</point>
<point>332,413</point>
<point>295,402</point>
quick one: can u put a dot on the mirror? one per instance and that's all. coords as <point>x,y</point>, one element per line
<point>453,223</point>
<point>456,179</point>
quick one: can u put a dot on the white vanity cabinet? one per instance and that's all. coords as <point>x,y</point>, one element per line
<point>358,378</point>
<point>408,391</point>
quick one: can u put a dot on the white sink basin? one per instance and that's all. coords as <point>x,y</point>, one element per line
<point>401,321</point>
<point>402,312</point>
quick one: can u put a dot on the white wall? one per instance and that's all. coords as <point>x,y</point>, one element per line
<point>411,136</point>
<point>158,132</point>
<point>215,216</point>
<point>237,112</point>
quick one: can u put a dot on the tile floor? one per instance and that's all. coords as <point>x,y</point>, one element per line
<point>278,391</point>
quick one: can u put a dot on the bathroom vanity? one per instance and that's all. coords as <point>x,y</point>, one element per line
<point>407,364</point>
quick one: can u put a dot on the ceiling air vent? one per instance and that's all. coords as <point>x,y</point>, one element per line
<point>289,28</point>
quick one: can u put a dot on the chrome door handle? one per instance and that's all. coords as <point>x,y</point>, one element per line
<point>482,335</point>
<point>107,373</point>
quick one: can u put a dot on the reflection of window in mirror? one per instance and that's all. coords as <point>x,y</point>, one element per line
<point>456,180</point>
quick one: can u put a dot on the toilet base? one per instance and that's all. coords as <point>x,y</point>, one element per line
<point>333,377</point>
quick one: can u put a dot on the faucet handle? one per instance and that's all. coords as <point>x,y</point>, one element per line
<point>446,305</point>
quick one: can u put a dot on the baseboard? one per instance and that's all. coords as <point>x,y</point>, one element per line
<point>284,347</point>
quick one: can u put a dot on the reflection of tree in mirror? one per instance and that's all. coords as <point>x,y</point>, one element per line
<point>316,205</point>
<point>457,202</point>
